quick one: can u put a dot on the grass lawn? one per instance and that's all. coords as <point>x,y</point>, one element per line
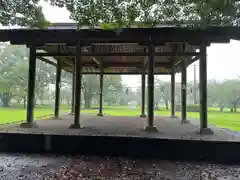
<point>224,119</point>
<point>15,113</point>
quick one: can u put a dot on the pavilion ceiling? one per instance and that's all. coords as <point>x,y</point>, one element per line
<point>121,64</point>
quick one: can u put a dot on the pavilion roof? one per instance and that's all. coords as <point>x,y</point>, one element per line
<point>121,51</point>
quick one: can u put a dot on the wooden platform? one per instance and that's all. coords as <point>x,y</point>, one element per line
<point>169,128</point>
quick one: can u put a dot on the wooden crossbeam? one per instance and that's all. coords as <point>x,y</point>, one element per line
<point>70,54</point>
<point>85,64</point>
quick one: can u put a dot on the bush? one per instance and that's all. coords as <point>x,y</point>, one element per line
<point>190,108</point>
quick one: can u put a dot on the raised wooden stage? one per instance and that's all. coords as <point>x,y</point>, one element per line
<point>169,128</point>
<point>122,136</point>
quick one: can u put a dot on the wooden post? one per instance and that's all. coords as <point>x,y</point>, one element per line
<point>143,115</point>
<point>100,113</point>
<point>173,95</point>
<point>57,90</point>
<point>150,126</point>
<point>78,84</point>
<point>73,87</point>
<point>203,90</point>
<point>31,89</point>
<point>184,92</point>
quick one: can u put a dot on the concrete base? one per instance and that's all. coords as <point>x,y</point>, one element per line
<point>143,115</point>
<point>74,126</point>
<point>29,125</point>
<point>57,117</point>
<point>206,131</point>
<point>100,114</point>
<point>150,128</point>
<point>173,116</point>
<point>71,114</point>
<point>184,121</point>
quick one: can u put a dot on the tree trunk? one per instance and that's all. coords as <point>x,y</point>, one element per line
<point>19,101</point>
<point>5,101</point>
<point>42,98</point>
<point>68,101</point>
<point>24,102</point>
<point>235,105</point>
<point>166,104</point>
<point>87,104</point>
<point>35,102</point>
<point>87,100</point>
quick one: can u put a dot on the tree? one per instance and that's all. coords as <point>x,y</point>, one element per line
<point>12,70</point>
<point>66,87</point>
<point>113,89</point>
<point>122,13</point>
<point>23,13</point>
<point>90,88</point>
<point>45,75</point>
<point>162,91</point>
<point>227,92</point>
<point>14,75</point>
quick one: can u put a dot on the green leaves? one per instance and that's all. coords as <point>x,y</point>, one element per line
<point>115,14</point>
<point>26,13</point>
<point>118,14</point>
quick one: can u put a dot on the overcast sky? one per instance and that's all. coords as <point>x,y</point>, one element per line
<point>223,59</point>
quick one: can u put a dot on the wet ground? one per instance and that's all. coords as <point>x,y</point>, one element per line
<point>36,167</point>
<point>24,167</point>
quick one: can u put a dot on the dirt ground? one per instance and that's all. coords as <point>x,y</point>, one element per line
<point>24,167</point>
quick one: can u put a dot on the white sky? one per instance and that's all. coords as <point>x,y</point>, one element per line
<point>223,59</point>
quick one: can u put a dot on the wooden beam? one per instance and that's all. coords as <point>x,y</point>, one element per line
<point>123,65</point>
<point>47,61</point>
<point>121,54</point>
<point>86,36</point>
<point>96,61</point>
<point>189,62</point>
<point>126,73</point>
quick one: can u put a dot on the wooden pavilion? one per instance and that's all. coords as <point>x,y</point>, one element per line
<point>145,51</point>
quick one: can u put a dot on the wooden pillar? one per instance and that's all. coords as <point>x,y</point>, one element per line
<point>203,90</point>
<point>57,90</point>
<point>173,95</point>
<point>151,64</point>
<point>73,87</point>
<point>31,89</point>
<point>100,113</point>
<point>143,115</point>
<point>78,83</point>
<point>184,92</point>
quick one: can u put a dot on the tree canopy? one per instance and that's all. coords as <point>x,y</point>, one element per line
<point>122,13</point>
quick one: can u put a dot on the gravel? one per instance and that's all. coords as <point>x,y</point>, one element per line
<point>23,167</point>
<point>97,168</point>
